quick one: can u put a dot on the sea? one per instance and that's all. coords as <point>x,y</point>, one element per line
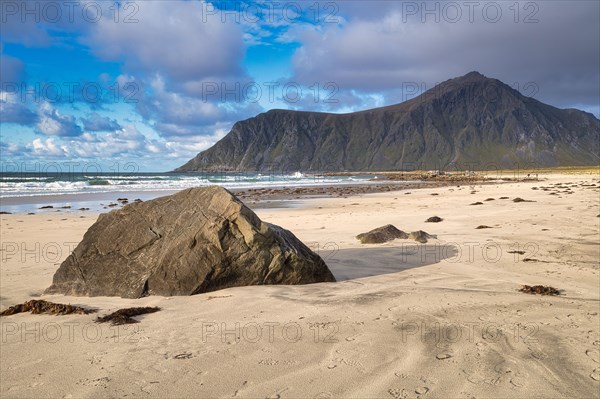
<point>21,191</point>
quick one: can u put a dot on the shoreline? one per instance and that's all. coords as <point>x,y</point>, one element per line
<point>256,198</point>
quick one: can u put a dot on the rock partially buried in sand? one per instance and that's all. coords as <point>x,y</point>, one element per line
<point>381,234</point>
<point>419,236</point>
<point>195,241</point>
<point>518,199</point>
<point>434,219</point>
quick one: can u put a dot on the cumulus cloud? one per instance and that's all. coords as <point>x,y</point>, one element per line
<point>381,51</point>
<point>22,23</point>
<point>177,39</point>
<point>14,111</point>
<point>97,123</point>
<point>47,148</point>
<point>127,145</point>
<point>127,142</point>
<point>187,147</point>
<point>52,123</point>
<point>173,113</point>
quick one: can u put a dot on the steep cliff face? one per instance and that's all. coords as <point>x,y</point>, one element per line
<point>470,120</point>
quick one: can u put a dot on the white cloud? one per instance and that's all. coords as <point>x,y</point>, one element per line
<point>52,123</point>
<point>12,110</point>
<point>180,40</point>
<point>97,123</point>
<point>382,50</point>
<point>47,148</point>
<point>127,144</point>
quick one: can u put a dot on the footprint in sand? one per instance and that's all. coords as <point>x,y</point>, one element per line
<point>97,358</point>
<point>184,355</point>
<point>98,382</point>
<point>398,393</point>
<point>269,362</point>
<point>277,394</point>
<point>593,354</point>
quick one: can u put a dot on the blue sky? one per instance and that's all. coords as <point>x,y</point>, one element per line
<point>155,82</point>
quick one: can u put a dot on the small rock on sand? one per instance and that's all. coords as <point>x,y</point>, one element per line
<point>477,203</point>
<point>381,234</point>
<point>518,199</point>
<point>434,219</point>
<point>483,226</point>
<point>443,356</point>
<point>419,236</point>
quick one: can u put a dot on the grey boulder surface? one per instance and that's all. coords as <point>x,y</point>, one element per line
<point>197,240</point>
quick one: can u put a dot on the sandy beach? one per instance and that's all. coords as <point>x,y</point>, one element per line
<point>443,319</point>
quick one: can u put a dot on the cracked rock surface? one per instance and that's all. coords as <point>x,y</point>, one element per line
<point>197,240</point>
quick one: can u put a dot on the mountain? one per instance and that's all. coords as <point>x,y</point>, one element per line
<point>471,121</point>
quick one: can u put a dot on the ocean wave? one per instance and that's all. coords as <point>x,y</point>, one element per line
<point>98,182</point>
<point>102,184</point>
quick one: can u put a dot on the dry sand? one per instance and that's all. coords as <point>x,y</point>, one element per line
<point>437,320</point>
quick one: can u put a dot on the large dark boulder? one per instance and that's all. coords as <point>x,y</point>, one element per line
<point>197,240</point>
